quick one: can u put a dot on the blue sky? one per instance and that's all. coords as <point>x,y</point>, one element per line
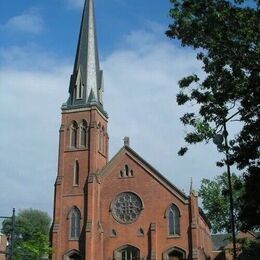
<point>141,69</point>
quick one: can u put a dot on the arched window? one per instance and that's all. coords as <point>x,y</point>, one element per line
<point>127,252</point>
<point>76,174</point>
<point>84,134</point>
<point>73,134</point>
<point>174,220</point>
<point>74,223</point>
<point>126,170</point>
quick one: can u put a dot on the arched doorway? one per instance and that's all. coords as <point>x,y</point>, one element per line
<point>72,255</point>
<point>127,252</point>
<point>174,253</point>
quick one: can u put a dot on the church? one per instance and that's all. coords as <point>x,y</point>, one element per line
<point>117,209</point>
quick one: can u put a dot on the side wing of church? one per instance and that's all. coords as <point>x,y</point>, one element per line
<point>121,209</point>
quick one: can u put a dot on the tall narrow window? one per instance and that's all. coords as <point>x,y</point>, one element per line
<point>73,134</point>
<point>84,134</point>
<point>99,137</point>
<point>76,174</point>
<point>103,140</point>
<point>174,220</point>
<point>74,223</point>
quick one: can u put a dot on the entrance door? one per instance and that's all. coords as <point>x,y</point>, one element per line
<point>127,253</point>
<point>175,255</point>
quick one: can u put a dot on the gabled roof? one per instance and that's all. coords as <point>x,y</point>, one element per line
<point>220,241</point>
<point>149,168</point>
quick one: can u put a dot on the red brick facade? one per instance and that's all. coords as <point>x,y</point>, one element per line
<point>3,246</point>
<point>100,182</point>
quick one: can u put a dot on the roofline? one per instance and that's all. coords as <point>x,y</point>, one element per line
<point>163,179</point>
<point>204,217</point>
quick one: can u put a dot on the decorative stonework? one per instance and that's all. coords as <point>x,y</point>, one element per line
<point>140,232</point>
<point>88,226</point>
<point>56,227</point>
<point>113,233</point>
<point>91,178</point>
<point>59,180</point>
<point>126,207</point>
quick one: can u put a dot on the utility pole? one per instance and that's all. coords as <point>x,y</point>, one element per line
<point>10,253</point>
<point>218,140</point>
<point>230,191</point>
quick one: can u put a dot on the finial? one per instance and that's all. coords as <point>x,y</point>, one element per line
<point>126,141</point>
<point>191,183</point>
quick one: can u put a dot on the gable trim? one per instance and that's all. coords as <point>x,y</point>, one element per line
<point>148,168</point>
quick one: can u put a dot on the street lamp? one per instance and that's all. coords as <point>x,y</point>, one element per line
<point>218,140</point>
<point>11,254</point>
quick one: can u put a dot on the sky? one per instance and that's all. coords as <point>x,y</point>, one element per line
<point>141,71</point>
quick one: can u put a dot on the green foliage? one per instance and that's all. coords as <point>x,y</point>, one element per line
<point>250,249</point>
<point>215,201</point>
<point>227,37</point>
<point>31,234</point>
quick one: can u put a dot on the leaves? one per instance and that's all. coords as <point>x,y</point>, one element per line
<point>215,201</point>
<point>227,37</point>
<point>31,234</point>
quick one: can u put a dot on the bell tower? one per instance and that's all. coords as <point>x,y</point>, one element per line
<point>83,146</point>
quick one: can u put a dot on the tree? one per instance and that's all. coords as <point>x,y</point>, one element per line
<point>250,249</point>
<point>227,37</point>
<point>31,234</point>
<point>215,201</point>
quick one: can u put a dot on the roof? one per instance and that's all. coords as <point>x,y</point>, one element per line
<point>156,174</point>
<point>204,217</point>
<point>220,241</point>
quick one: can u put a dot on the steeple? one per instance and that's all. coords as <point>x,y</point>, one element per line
<point>86,83</point>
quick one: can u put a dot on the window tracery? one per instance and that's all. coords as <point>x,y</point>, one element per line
<point>127,207</point>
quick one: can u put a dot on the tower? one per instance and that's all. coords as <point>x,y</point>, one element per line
<point>83,147</point>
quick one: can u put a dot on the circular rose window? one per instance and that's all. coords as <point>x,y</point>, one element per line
<point>126,207</point>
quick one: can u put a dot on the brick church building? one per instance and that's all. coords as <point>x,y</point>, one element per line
<point>122,208</point>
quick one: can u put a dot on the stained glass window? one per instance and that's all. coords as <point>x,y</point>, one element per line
<point>126,207</point>
<point>174,220</point>
<point>74,223</point>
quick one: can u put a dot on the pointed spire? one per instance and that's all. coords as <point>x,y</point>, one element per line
<point>86,83</point>
<point>191,184</point>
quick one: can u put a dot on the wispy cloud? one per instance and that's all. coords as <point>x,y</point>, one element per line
<point>75,3</point>
<point>28,22</point>
<point>140,87</point>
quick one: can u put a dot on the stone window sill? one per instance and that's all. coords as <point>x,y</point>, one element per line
<point>76,149</point>
<point>173,236</point>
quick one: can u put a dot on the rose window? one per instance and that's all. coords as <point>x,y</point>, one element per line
<point>126,207</point>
